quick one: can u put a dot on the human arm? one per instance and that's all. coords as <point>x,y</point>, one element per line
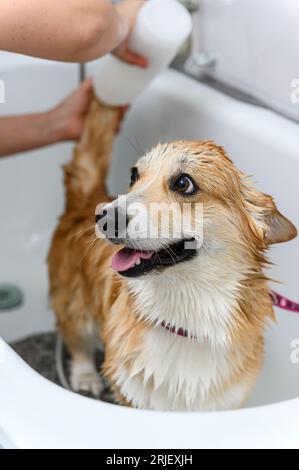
<point>64,122</point>
<point>68,30</point>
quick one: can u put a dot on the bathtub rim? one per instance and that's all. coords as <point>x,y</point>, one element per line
<point>266,425</point>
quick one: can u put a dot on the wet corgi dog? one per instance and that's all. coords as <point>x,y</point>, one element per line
<point>181,313</point>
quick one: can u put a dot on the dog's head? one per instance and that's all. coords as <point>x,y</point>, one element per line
<point>188,199</point>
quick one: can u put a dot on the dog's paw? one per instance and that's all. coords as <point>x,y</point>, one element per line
<point>84,378</point>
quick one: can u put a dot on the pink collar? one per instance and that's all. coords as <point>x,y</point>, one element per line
<point>178,332</point>
<point>278,301</point>
<point>284,303</point>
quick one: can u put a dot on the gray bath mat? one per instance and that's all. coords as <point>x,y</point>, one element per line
<point>39,352</point>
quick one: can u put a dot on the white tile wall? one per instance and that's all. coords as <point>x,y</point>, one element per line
<point>256,43</point>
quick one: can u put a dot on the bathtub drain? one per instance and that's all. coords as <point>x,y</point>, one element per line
<point>10,297</point>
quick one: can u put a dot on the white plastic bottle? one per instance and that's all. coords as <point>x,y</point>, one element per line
<point>162,27</point>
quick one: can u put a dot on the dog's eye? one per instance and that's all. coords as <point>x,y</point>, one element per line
<point>185,185</point>
<point>134,176</point>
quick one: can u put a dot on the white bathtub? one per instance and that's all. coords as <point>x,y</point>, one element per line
<point>35,413</point>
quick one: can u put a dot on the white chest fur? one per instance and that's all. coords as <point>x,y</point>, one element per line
<point>178,373</point>
<point>174,373</point>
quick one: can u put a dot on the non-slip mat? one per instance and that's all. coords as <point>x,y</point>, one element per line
<point>39,352</point>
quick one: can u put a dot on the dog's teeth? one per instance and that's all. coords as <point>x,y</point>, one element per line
<point>138,262</point>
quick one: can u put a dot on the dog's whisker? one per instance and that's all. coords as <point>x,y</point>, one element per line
<point>141,148</point>
<point>95,238</point>
<point>83,232</point>
<point>132,145</point>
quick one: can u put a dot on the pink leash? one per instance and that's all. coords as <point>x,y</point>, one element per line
<point>285,304</point>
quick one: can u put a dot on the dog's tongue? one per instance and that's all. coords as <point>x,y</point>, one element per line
<point>126,259</point>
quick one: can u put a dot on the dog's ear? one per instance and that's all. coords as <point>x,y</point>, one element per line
<point>266,220</point>
<point>278,228</point>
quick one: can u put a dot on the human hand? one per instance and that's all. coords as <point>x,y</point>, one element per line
<point>128,10</point>
<point>69,116</point>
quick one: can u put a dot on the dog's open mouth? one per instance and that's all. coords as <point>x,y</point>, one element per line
<point>134,263</point>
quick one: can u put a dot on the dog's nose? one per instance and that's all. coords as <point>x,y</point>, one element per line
<point>112,222</point>
<point>101,216</point>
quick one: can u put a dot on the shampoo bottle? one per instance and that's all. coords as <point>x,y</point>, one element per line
<point>161,28</point>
